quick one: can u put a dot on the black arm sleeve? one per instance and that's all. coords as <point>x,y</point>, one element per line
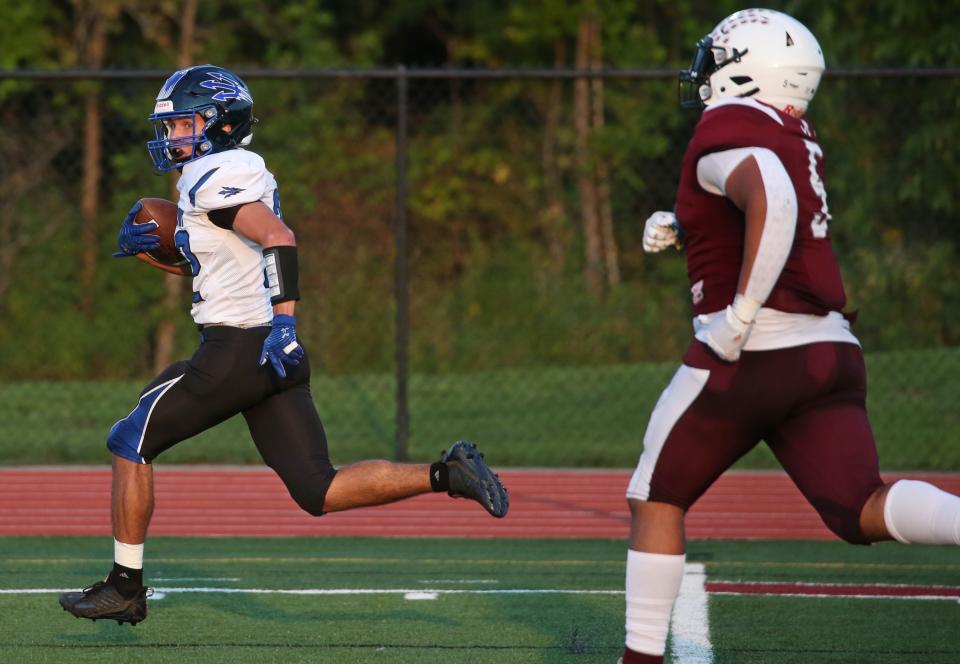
<point>224,217</point>
<point>282,273</point>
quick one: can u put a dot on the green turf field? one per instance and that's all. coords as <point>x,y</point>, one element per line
<point>482,621</point>
<point>556,417</point>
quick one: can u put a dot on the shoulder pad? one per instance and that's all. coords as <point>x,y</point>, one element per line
<point>226,183</point>
<point>737,123</point>
<point>736,107</point>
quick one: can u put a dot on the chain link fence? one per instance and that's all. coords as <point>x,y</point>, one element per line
<point>484,280</point>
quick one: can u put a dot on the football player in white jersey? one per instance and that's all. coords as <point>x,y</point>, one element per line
<point>243,259</point>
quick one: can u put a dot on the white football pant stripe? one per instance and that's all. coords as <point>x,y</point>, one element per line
<point>683,389</point>
<point>164,387</point>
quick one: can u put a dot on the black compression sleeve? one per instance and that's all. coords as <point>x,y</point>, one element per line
<point>282,273</point>
<point>224,217</point>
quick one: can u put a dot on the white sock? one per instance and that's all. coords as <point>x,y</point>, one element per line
<point>128,555</point>
<point>653,583</point>
<point>920,513</point>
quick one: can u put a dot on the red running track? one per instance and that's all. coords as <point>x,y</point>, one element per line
<point>212,501</point>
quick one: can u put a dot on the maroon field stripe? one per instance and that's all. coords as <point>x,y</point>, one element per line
<point>251,501</point>
<point>832,589</point>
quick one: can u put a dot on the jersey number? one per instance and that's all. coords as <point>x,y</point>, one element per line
<point>818,225</point>
<point>276,204</point>
<point>182,241</point>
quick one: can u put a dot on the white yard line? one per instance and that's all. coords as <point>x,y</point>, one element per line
<point>692,594</point>
<point>337,591</point>
<point>195,578</point>
<point>690,622</point>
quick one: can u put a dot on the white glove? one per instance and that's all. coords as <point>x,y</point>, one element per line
<point>726,334</point>
<point>661,231</point>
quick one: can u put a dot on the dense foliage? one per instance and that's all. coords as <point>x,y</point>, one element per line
<point>501,270</point>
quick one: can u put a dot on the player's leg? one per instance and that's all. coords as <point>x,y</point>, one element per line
<point>829,453</point>
<point>376,482</point>
<point>290,437</point>
<point>872,524</point>
<point>828,448</point>
<point>825,442</point>
<point>912,512</point>
<point>824,452</point>
<point>185,399</point>
<point>462,472</point>
<point>655,562</point>
<point>686,447</point>
<point>122,596</point>
<point>131,502</point>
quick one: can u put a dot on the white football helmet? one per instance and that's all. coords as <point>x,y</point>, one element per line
<point>757,53</point>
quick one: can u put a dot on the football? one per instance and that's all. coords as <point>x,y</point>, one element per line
<point>166,256</point>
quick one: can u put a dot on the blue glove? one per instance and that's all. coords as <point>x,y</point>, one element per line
<point>135,238</point>
<point>281,345</point>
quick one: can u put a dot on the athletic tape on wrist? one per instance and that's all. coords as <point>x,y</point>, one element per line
<point>282,273</point>
<point>745,308</point>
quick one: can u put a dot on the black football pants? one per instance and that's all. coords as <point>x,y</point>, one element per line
<point>223,378</point>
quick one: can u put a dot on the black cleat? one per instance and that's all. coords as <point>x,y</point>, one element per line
<point>103,600</point>
<point>470,477</point>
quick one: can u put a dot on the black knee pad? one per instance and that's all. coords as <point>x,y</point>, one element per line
<point>310,491</point>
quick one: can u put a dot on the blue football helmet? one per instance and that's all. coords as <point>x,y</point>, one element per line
<point>220,99</point>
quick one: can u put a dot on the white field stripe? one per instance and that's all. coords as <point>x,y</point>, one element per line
<point>420,596</point>
<point>392,591</point>
<point>500,591</point>
<point>455,591</point>
<point>462,582</point>
<point>690,622</point>
<point>336,591</point>
<point>196,578</point>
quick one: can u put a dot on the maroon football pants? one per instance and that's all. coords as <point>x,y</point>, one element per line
<point>808,403</point>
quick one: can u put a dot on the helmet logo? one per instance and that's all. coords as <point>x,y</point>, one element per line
<point>789,40</point>
<point>745,17</point>
<point>171,83</point>
<point>227,88</point>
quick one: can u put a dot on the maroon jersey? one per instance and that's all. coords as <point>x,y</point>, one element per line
<point>714,227</point>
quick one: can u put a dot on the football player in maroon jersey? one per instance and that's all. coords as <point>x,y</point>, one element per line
<point>773,357</point>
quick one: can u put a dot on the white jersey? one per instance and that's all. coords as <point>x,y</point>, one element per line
<point>228,276</point>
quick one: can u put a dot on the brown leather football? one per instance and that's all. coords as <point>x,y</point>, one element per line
<point>166,256</point>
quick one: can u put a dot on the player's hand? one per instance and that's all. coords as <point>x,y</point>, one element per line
<point>135,238</point>
<point>661,231</point>
<point>281,345</point>
<point>726,334</point>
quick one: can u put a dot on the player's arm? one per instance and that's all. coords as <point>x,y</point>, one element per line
<point>231,194</point>
<point>761,187</point>
<point>257,222</point>
<point>179,270</point>
<point>755,180</point>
